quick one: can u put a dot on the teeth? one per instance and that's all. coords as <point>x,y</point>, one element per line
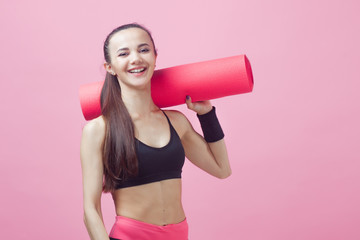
<point>137,70</point>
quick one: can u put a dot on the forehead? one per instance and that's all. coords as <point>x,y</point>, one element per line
<point>128,38</point>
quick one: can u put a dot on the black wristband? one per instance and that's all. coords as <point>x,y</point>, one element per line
<point>210,126</point>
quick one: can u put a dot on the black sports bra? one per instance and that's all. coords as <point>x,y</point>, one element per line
<point>156,164</point>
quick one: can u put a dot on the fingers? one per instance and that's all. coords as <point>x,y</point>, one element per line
<point>200,107</point>
<point>189,103</point>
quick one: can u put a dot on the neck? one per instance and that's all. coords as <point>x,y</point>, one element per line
<point>138,102</point>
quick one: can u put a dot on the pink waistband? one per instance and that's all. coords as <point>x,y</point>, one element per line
<point>128,229</point>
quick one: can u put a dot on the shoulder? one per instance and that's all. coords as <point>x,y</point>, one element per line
<point>94,130</point>
<point>91,157</point>
<point>176,116</point>
<point>179,121</point>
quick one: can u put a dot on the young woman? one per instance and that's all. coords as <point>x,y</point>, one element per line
<point>136,151</point>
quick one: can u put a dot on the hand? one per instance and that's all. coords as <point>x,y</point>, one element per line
<point>201,107</point>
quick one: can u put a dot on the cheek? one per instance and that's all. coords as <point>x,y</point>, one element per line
<point>151,60</point>
<point>120,63</point>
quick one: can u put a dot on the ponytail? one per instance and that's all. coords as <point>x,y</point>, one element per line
<point>118,149</point>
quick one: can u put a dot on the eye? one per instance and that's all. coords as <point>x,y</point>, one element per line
<point>123,54</point>
<point>144,50</point>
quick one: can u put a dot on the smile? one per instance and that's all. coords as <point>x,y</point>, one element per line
<point>139,70</point>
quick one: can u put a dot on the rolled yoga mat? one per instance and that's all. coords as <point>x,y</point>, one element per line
<point>169,86</point>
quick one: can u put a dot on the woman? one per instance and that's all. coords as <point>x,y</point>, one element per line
<point>136,151</point>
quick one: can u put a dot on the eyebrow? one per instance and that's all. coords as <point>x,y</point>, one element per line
<point>139,46</point>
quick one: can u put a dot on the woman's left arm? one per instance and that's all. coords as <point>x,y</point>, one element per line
<point>211,157</point>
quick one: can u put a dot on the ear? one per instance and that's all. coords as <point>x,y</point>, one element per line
<point>109,69</point>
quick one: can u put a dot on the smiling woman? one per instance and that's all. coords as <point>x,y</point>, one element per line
<point>136,151</point>
<point>134,55</point>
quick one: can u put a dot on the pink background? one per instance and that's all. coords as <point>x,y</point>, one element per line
<point>293,142</point>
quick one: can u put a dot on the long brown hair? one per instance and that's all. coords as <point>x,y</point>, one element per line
<point>118,149</point>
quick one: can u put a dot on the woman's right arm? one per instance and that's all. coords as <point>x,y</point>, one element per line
<point>92,174</point>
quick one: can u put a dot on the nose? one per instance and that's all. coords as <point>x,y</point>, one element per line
<point>136,58</point>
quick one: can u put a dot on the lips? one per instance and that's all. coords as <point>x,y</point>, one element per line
<point>137,70</point>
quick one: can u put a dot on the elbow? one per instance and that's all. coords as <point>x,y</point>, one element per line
<point>225,174</point>
<point>85,218</point>
<point>88,215</point>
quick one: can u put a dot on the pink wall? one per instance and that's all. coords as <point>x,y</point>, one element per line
<point>293,142</point>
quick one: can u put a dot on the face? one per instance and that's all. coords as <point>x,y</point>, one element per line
<point>132,57</point>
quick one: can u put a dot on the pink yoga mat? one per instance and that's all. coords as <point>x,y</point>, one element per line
<point>169,86</point>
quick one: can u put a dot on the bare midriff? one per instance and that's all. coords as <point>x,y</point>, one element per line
<point>157,203</point>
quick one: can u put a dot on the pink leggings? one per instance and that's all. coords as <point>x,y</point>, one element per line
<point>130,229</point>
